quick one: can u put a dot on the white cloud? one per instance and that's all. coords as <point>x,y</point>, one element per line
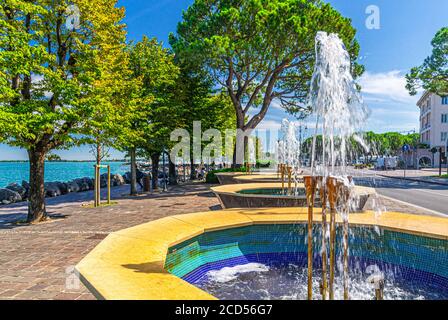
<point>391,85</point>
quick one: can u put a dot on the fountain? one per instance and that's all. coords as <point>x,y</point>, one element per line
<point>339,113</point>
<point>284,242</point>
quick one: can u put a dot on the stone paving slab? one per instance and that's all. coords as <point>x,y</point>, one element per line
<point>37,262</point>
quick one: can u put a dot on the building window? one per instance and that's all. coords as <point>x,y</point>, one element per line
<point>445,118</point>
<point>445,100</point>
<point>444,135</point>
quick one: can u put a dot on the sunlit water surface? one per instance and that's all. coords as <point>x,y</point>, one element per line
<point>256,281</point>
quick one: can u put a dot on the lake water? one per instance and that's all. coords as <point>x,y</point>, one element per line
<point>54,171</point>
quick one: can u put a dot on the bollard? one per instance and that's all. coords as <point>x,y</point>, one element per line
<point>95,186</point>
<point>108,184</point>
<point>147,183</point>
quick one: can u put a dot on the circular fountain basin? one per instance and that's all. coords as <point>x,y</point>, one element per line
<point>261,195</point>
<point>261,178</point>
<point>260,254</point>
<point>228,177</point>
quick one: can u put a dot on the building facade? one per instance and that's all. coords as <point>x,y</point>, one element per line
<point>434,122</point>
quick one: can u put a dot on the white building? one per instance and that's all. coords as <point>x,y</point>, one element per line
<point>433,122</point>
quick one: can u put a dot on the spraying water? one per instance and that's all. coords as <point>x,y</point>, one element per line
<point>337,106</point>
<point>288,151</point>
<point>339,112</point>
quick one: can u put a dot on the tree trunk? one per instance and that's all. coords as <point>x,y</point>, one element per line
<point>155,158</point>
<point>98,152</point>
<point>192,170</point>
<point>172,172</point>
<point>36,205</point>
<point>236,165</point>
<point>133,172</point>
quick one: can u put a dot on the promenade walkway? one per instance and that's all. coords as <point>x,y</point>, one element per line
<point>36,262</point>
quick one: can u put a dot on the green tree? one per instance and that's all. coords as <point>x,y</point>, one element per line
<point>54,77</point>
<point>432,75</point>
<point>260,51</point>
<point>153,73</point>
<point>199,102</point>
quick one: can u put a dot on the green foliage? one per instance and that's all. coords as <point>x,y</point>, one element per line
<point>213,179</point>
<point>151,119</point>
<point>259,50</point>
<point>389,143</point>
<point>263,164</point>
<point>197,101</point>
<point>58,85</point>
<point>54,80</point>
<point>53,157</point>
<point>432,75</point>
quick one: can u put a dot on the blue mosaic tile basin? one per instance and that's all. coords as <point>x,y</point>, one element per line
<point>270,262</point>
<point>271,192</point>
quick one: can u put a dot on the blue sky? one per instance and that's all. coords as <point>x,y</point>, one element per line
<point>403,41</point>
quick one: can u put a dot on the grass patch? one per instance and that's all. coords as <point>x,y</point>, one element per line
<point>91,205</point>
<point>443,176</point>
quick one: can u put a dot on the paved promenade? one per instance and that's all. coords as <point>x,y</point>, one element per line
<point>36,262</point>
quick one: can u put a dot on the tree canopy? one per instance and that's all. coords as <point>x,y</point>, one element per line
<point>259,51</point>
<point>55,78</point>
<point>378,144</point>
<point>432,75</point>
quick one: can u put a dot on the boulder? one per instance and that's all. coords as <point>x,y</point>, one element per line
<point>127,178</point>
<point>91,183</point>
<point>26,186</point>
<point>72,186</point>
<point>9,196</point>
<point>83,184</point>
<point>103,180</point>
<point>118,180</point>
<point>52,189</point>
<point>18,188</point>
<point>63,187</point>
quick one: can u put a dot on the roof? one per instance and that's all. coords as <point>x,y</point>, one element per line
<point>423,97</point>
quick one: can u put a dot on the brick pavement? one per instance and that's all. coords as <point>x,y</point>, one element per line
<point>36,262</point>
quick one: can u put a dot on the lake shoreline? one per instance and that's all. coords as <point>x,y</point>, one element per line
<point>18,171</point>
<point>16,193</point>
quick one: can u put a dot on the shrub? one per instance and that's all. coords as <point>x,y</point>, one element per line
<point>213,179</point>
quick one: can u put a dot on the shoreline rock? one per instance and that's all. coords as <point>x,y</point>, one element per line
<point>15,192</point>
<point>8,196</point>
